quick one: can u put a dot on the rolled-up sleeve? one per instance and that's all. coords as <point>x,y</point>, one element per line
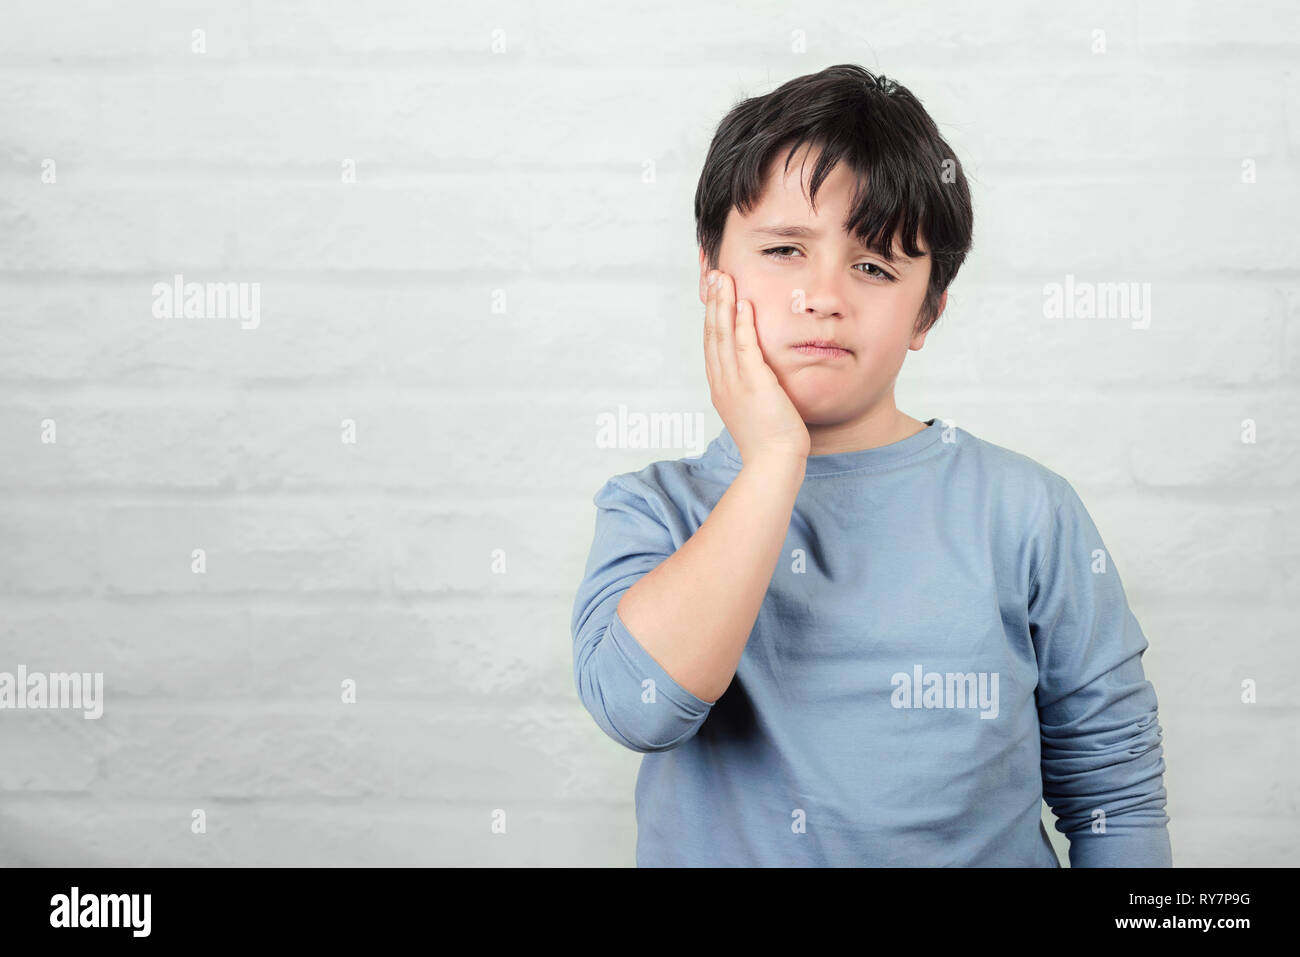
<point>630,696</point>
<point>1102,760</point>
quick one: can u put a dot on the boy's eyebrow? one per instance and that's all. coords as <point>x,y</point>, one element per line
<point>793,231</point>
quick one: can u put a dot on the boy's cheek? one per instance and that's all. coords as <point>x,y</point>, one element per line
<point>769,334</point>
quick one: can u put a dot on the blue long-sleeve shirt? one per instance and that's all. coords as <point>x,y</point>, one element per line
<point>944,643</point>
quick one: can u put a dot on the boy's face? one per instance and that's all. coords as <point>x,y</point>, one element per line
<point>822,285</point>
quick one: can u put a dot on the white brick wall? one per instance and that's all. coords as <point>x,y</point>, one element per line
<point>520,169</point>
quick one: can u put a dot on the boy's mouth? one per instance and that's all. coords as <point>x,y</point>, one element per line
<point>827,348</point>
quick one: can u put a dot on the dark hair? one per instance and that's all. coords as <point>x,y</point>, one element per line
<point>889,142</point>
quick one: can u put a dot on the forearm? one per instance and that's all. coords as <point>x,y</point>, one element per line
<point>693,612</point>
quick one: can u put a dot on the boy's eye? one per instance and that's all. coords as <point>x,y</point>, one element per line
<point>778,252</point>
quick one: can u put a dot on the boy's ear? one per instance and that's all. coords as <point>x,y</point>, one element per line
<point>918,340</point>
<point>704,273</point>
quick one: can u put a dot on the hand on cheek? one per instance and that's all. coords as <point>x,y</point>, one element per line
<point>745,390</point>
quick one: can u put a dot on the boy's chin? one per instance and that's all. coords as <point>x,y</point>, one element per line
<point>822,410</point>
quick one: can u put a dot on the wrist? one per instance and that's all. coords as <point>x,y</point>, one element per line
<point>775,460</point>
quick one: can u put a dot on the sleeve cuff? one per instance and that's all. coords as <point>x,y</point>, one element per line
<point>1128,847</point>
<point>647,667</point>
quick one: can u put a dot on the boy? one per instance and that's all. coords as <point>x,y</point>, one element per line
<point>841,635</point>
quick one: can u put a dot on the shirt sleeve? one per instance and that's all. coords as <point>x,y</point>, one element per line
<point>1102,760</point>
<point>631,697</point>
